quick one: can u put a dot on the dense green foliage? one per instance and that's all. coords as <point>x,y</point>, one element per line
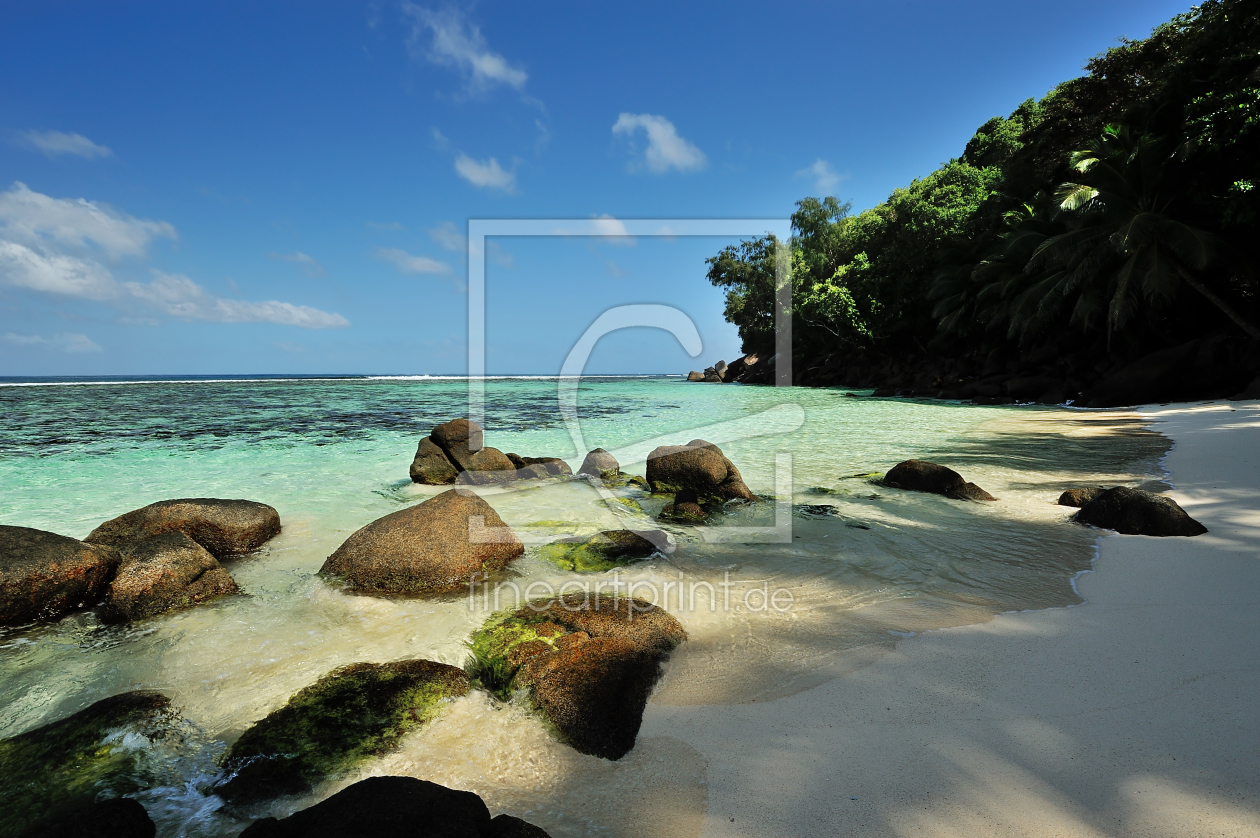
<point>1117,210</point>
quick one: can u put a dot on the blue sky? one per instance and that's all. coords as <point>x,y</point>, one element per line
<point>283,187</point>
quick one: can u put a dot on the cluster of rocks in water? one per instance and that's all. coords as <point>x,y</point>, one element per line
<point>587,665</point>
<point>163,556</point>
<point>1212,367</point>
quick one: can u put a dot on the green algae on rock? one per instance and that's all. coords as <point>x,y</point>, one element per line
<point>69,763</point>
<point>351,714</point>
<point>587,663</point>
<point>601,551</point>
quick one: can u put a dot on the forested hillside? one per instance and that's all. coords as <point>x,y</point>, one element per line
<point>1099,244</point>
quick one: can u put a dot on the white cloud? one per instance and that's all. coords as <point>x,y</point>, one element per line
<point>824,174</point>
<point>458,43</point>
<point>53,143</point>
<point>665,149</point>
<point>449,237</point>
<point>488,174</point>
<point>408,264</point>
<point>54,273</point>
<point>308,263</point>
<point>60,246</point>
<point>615,270</point>
<point>66,342</point>
<point>440,140</point>
<point>37,220</point>
<point>605,227</point>
<point>180,297</point>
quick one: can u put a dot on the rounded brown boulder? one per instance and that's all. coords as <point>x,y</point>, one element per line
<point>922,476</point>
<point>429,548</point>
<point>164,572</point>
<point>44,575</point>
<point>599,463</point>
<point>431,465</point>
<point>589,663</point>
<point>699,466</point>
<point>224,527</point>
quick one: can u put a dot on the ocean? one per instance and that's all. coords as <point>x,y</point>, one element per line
<point>862,565</point>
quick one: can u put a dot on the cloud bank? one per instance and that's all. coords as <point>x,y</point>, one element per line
<point>67,247</point>
<point>66,342</point>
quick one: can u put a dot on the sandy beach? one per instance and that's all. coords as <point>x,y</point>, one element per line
<point>1131,715</point>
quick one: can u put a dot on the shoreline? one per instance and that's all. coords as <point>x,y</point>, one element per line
<point>1126,715</point>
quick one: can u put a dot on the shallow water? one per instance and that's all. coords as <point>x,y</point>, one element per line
<point>856,567</point>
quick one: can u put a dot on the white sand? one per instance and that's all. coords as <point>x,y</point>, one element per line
<point>1137,713</point>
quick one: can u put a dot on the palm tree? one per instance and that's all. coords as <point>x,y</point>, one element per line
<point>1123,244</point>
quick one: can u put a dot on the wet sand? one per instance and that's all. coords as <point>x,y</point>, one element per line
<point>1131,715</point>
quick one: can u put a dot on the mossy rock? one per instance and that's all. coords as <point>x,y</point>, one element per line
<point>629,503</point>
<point>599,552</point>
<point>587,664</point>
<point>348,716</point>
<point>69,763</point>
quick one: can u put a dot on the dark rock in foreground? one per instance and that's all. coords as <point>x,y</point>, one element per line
<point>395,807</point>
<point>120,817</point>
<point>1136,512</point>
<point>426,548</point>
<point>44,575</point>
<point>224,527</point>
<point>602,551</point>
<point>599,463</point>
<point>1080,497</point>
<point>922,476</point>
<point>55,770</point>
<point>346,717</point>
<point>164,572</point>
<point>589,663</point>
<point>699,466</point>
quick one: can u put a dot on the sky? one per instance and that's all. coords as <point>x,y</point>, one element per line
<point>285,187</point>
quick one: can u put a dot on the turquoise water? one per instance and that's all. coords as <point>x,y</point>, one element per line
<point>863,564</point>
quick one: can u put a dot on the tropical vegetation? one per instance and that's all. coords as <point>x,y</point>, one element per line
<point>1117,215</point>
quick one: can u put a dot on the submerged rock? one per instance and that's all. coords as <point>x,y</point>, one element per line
<point>599,463</point>
<point>224,527</point>
<point>602,551</point>
<point>164,572</point>
<point>1136,512</point>
<point>44,576</point>
<point>56,770</point>
<point>685,509</point>
<point>395,807</point>
<point>588,663</point>
<point>346,717</point>
<point>119,817</point>
<point>699,466</point>
<point>426,548</point>
<point>537,468</point>
<point>922,476</point>
<point>1080,497</point>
